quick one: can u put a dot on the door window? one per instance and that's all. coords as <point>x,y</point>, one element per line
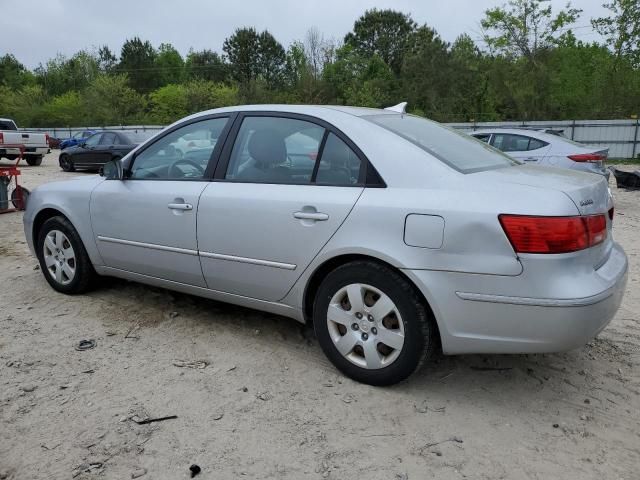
<point>275,150</point>
<point>483,137</point>
<point>93,140</point>
<point>108,139</point>
<point>339,165</point>
<point>181,155</point>
<point>511,143</point>
<point>535,144</point>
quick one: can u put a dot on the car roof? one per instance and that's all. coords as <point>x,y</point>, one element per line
<point>520,131</point>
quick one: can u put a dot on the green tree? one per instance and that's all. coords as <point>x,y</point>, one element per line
<point>12,73</point>
<point>62,74</point>
<point>168,104</point>
<point>64,110</point>
<point>622,29</point>
<point>137,61</point>
<point>242,50</point>
<point>206,65</point>
<point>525,27</point>
<point>112,101</point>
<point>384,33</point>
<point>107,61</point>
<point>271,59</point>
<point>169,64</point>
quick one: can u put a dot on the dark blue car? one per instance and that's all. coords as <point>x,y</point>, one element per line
<point>76,138</point>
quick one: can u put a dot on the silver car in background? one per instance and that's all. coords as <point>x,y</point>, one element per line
<point>546,148</point>
<point>391,234</point>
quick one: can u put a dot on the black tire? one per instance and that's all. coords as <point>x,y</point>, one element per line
<point>85,275</point>
<point>34,161</point>
<point>20,203</point>
<point>66,164</point>
<point>421,334</point>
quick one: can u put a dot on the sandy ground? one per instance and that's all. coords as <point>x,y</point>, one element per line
<point>267,404</point>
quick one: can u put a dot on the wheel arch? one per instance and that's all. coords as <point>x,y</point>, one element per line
<point>44,215</point>
<point>322,270</point>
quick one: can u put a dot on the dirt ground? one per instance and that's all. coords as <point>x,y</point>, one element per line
<point>255,397</point>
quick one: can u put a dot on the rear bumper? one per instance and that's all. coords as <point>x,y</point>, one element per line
<point>28,151</point>
<point>485,320</point>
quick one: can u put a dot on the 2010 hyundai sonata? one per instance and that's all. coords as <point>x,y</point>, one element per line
<point>390,233</point>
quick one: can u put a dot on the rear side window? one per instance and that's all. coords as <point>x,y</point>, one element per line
<point>535,144</point>
<point>456,149</point>
<point>339,165</point>
<point>511,143</point>
<point>483,137</point>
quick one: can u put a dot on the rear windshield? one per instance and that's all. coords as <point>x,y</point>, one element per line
<point>456,149</point>
<point>138,136</point>
<point>7,125</point>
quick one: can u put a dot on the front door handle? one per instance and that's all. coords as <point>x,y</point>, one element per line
<point>530,159</point>
<point>180,206</point>
<point>315,216</point>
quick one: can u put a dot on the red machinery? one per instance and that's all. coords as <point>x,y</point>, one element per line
<point>9,183</point>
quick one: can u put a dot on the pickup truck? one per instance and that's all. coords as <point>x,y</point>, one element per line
<point>36,144</point>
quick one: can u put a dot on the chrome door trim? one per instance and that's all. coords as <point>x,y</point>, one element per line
<point>152,246</point>
<point>252,261</point>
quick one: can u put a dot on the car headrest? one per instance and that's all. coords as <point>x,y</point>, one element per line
<point>267,148</point>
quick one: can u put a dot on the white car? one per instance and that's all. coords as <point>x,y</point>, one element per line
<point>545,148</point>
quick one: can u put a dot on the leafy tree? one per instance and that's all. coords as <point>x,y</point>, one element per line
<point>242,50</point>
<point>64,110</point>
<point>622,29</point>
<point>384,33</point>
<point>168,104</point>
<point>206,65</point>
<point>62,74</point>
<point>12,73</point>
<point>112,101</point>
<point>271,59</point>
<point>169,64</point>
<point>525,27</point>
<point>137,61</point>
<point>107,61</point>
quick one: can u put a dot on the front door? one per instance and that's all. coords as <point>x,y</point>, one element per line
<point>146,223</point>
<point>85,156</point>
<point>287,187</point>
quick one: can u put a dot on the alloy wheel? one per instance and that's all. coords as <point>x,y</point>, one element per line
<point>59,257</point>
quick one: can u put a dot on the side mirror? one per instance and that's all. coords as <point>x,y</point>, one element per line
<point>112,170</point>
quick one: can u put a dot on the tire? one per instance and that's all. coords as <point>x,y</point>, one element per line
<point>84,275</point>
<point>379,364</point>
<point>34,161</point>
<point>66,164</point>
<point>20,203</point>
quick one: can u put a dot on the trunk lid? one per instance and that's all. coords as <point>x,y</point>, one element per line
<point>588,191</point>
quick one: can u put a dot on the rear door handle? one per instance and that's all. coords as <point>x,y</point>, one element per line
<point>316,216</point>
<point>180,206</point>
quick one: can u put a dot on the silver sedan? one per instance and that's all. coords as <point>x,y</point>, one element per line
<point>393,235</point>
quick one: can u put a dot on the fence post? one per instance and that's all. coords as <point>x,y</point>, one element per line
<point>635,139</point>
<point>573,129</point>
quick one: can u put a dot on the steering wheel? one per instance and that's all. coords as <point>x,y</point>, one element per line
<point>186,161</point>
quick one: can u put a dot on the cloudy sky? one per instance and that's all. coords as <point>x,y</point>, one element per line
<point>35,30</point>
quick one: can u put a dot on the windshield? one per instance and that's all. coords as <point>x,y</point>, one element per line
<point>139,136</point>
<point>456,149</point>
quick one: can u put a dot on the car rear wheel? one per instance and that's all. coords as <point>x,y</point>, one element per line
<point>66,164</point>
<point>34,161</point>
<point>63,258</point>
<point>372,323</point>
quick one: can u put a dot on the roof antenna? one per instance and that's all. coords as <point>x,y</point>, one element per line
<point>399,108</point>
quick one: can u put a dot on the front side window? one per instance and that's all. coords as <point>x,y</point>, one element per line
<point>93,140</point>
<point>456,149</point>
<point>275,150</point>
<point>181,155</point>
<point>108,139</point>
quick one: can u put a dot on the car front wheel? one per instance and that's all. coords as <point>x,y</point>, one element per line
<point>63,258</point>
<point>66,164</point>
<point>372,323</point>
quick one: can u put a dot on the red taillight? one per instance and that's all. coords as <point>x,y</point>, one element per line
<point>588,157</point>
<point>553,234</point>
<point>1,137</point>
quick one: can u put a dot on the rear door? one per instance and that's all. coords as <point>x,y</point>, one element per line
<point>521,147</point>
<point>283,187</point>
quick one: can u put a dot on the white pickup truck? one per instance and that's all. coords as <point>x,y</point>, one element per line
<point>36,145</point>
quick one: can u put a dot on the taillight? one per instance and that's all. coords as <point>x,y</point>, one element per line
<point>588,157</point>
<point>553,234</point>
<point>1,137</point>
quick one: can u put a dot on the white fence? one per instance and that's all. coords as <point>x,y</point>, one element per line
<point>621,136</point>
